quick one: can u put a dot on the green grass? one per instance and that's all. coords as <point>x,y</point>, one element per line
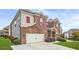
<point>74,45</point>
<point>5,44</point>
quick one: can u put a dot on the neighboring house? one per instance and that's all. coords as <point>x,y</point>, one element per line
<point>1,32</point>
<point>6,30</point>
<point>68,34</point>
<point>54,28</point>
<point>29,26</point>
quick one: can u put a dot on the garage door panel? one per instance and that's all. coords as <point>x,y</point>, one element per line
<point>30,38</point>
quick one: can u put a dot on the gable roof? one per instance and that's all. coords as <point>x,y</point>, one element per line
<point>72,30</point>
<point>56,20</point>
<point>17,14</point>
<point>25,10</point>
<point>7,27</point>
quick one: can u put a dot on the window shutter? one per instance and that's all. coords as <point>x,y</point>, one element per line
<point>27,19</point>
<point>39,20</point>
<point>34,19</point>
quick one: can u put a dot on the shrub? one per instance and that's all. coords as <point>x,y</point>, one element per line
<point>12,39</point>
<point>74,39</point>
<point>77,39</point>
<point>61,39</point>
<point>16,41</point>
<point>61,35</point>
<point>49,39</point>
<point>6,36</point>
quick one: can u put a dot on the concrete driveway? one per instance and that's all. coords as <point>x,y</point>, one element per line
<point>40,46</point>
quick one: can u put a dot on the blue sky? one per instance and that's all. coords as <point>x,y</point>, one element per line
<point>69,18</point>
<point>6,16</point>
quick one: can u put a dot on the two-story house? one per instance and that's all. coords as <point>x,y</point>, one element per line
<point>69,33</point>
<point>54,29</point>
<point>29,26</point>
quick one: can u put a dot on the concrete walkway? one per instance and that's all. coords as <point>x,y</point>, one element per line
<point>40,46</point>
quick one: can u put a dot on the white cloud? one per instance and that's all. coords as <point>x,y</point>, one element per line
<point>72,22</point>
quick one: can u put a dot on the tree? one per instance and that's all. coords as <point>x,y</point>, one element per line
<point>61,35</point>
<point>76,35</point>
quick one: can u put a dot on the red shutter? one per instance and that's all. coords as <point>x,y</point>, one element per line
<point>34,19</point>
<point>43,21</point>
<point>39,20</point>
<point>27,19</point>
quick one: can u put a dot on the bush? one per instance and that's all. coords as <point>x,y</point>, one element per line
<point>12,39</point>
<point>61,35</point>
<point>49,39</point>
<point>6,36</point>
<point>74,39</point>
<point>61,39</point>
<point>16,41</point>
<point>77,39</point>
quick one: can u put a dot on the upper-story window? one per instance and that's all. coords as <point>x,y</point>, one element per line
<point>15,23</point>
<point>50,25</point>
<point>27,19</point>
<point>57,25</point>
<point>41,20</point>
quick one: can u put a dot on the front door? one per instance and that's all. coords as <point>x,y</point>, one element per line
<point>53,35</point>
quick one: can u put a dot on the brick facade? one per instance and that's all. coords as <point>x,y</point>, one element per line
<point>23,35</point>
<point>53,28</point>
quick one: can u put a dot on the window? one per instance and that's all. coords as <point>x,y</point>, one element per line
<point>15,23</point>
<point>57,25</point>
<point>27,19</point>
<point>41,20</point>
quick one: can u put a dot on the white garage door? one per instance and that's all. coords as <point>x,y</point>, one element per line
<point>30,38</point>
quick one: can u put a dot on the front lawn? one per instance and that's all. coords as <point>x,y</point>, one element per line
<point>5,44</point>
<point>74,45</point>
